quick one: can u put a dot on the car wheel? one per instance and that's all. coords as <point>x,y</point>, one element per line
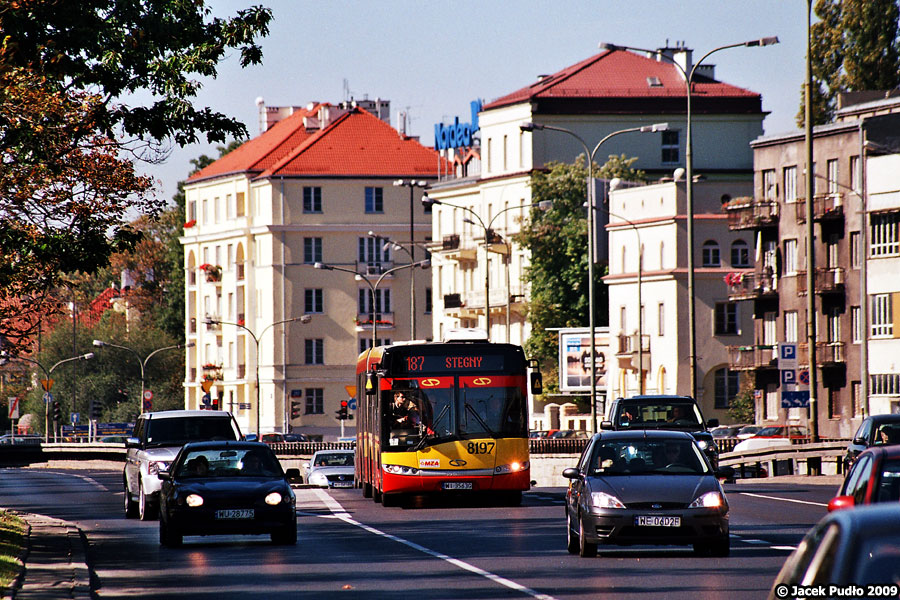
<point>376,494</point>
<point>169,536</point>
<point>286,537</point>
<point>572,543</point>
<point>146,509</point>
<point>585,548</point>
<point>131,509</point>
<point>367,490</point>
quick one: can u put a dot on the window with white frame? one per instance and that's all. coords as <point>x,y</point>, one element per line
<point>312,250</point>
<point>790,184</point>
<point>727,383</point>
<point>884,384</point>
<point>791,327</point>
<point>854,173</point>
<point>314,351</point>
<point>790,257</point>
<point>229,206</point>
<point>882,316</point>
<point>726,318</point>
<point>885,234</point>
<point>770,328</point>
<point>670,147</point>
<point>709,254</point>
<point>312,199</point>
<point>856,324</point>
<point>373,250</point>
<point>366,342</point>
<point>661,319</point>
<point>855,255</point>
<point>768,185</point>
<point>832,173</point>
<point>314,300</point>
<point>833,331</point>
<point>382,302</point>
<point>740,254</point>
<point>374,200</point>
<point>315,401</point>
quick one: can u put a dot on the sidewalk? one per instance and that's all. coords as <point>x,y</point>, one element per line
<point>54,558</point>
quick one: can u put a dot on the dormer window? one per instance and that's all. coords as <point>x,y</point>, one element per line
<point>654,82</point>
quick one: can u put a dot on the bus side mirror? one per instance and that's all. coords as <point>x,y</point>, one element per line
<point>370,383</point>
<point>537,383</point>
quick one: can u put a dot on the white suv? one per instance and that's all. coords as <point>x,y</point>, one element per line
<point>157,438</point>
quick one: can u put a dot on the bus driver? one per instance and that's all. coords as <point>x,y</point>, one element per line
<point>405,413</point>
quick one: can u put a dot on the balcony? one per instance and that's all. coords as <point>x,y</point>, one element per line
<point>452,301</point>
<point>474,300</point>
<point>750,285</point>
<point>212,372</point>
<point>213,323</point>
<point>374,268</point>
<point>829,354</point>
<point>451,248</point>
<point>750,358</point>
<point>828,206</point>
<point>747,213</point>
<point>627,352</point>
<point>829,280</point>
<point>495,241</point>
<point>382,320</point>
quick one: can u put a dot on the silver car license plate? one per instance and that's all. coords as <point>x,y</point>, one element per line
<point>657,521</point>
<point>457,485</point>
<point>235,513</point>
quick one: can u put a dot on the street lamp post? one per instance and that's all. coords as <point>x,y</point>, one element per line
<point>589,154</point>
<point>302,318</point>
<point>389,243</point>
<point>412,184</point>
<point>689,186</point>
<point>488,232</point>
<point>142,363</point>
<point>373,287</point>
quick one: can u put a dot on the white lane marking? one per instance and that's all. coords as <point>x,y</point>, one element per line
<point>335,507</point>
<point>782,499</point>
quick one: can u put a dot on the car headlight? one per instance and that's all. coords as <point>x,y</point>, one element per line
<point>155,466</point>
<point>708,500</point>
<point>702,444</point>
<point>513,467</point>
<point>318,479</point>
<point>194,500</point>
<point>400,470</point>
<point>604,500</point>
<point>273,499</point>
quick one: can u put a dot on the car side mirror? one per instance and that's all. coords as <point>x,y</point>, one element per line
<point>308,465</point>
<point>726,473</point>
<point>841,502</point>
<point>537,383</point>
<point>571,473</point>
<point>293,475</point>
<point>607,425</point>
<point>859,441</point>
<point>132,442</point>
<point>712,423</point>
<point>164,475</point>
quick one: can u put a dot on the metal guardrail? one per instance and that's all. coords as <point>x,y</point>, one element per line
<point>785,460</point>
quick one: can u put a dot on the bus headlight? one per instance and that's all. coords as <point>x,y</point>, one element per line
<point>401,470</point>
<point>513,467</point>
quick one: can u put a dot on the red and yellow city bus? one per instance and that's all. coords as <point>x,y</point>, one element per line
<point>471,431</point>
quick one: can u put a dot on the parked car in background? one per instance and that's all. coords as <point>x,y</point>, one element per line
<point>251,437</point>
<point>846,548</point>
<point>331,468</point>
<point>773,437</point>
<point>875,430</point>
<point>157,438</point>
<point>295,437</point>
<point>645,487</point>
<point>216,488</point>
<point>538,435</point>
<point>873,478</point>
<point>726,431</point>
<point>113,439</point>
<point>272,438</point>
<point>747,431</point>
<point>568,434</point>
<point>26,439</point>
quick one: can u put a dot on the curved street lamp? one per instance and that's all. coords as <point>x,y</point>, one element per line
<point>412,184</point>
<point>389,243</point>
<point>589,154</point>
<point>142,363</point>
<point>689,168</point>
<point>47,373</point>
<point>302,318</point>
<point>488,231</point>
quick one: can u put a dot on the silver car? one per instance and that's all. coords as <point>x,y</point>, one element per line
<point>331,468</point>
<point>157,438</point>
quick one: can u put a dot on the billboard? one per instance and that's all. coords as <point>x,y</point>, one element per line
<point>575,359</point>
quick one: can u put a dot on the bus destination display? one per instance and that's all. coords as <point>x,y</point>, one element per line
<point>451,363</point>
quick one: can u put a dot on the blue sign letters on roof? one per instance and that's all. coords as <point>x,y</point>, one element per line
<point>457,135</point>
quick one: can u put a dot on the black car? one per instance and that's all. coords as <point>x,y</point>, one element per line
<point>645,487</point>
<point>662,411</point>
<point>216,488</point>
<point>853,549</point>
<point>875,430</point>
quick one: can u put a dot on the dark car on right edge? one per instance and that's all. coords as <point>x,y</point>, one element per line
<point>662,411</point>
<point>875,430</point>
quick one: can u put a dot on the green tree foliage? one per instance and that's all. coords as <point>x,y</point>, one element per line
<point>742,408</point>
<point>557,242</point>
<point>72,76</point>
<point>855,47</point>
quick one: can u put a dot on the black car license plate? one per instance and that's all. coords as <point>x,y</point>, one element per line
<point>657,521</point>
<point>235,513</point>
<point>457,485</point>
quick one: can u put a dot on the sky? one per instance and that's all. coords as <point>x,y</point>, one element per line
<point>430,58</point>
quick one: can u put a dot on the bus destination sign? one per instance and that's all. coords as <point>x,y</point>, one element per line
<point>468,363</point>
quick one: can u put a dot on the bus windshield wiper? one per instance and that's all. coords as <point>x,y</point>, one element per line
<point>480,420</point>
<point>426,437</point>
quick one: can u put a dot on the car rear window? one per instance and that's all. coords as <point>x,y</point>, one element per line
<point>182,430</point>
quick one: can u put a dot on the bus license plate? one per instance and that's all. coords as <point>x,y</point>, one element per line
<point>235,513</point>
<point>457,485</point>
<point>657,521</point>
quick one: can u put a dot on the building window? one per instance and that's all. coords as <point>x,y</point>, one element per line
<point>854,173</point>
<point>661,319</point>
<point>790,326</point>
<point>856,324</point>
<point>366,343</point>
<point>314,300</point>
<point>856,398</point>
<point>312,199</point>
<point>374,200</point>
<point>312,250</point>
<point>670,147</point>
<point>769,191</point>
<point>710,254</point>
<point>884,385</point>
<point>790,184</point>
<point>770,328</point>
<point>726,318</point>
<point>833,316</point>
<point>831,167</point>
<point>373,251</point>
<point>314,352</point>
<point>241,205</point>
<point>382,302</point>
<point>855,256</point>
<point>429,298</point>
<point>315,401</point>
<point>885,238</point>
<point>728,385</point>
<point>790,257</point>
<point>882,316</point>
<point>740,254</point>
<point>834,403</point>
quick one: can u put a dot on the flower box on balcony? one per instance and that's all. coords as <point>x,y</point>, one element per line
<point>213,272</point>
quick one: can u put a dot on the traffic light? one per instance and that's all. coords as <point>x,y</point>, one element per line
<point>96,410</point>
<point>343,412</point>
<point>295,409</point>
<point>57,410</point>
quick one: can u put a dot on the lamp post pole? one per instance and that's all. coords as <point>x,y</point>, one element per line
<point>47,374</point>
<point>589,155</point>
<point>389,243</point>
<point>412,184</point>
<point>488,231</point>
<point>689,184</point>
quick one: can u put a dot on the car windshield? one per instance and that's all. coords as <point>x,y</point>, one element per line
<point>667,415</point>
<point>334,459</point>
<point>228,463</point>
<point>647,456</point>
<point>179,431</point>
<point>889,487</point>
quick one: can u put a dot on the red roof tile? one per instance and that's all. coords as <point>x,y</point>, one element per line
<point>619,74</point>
